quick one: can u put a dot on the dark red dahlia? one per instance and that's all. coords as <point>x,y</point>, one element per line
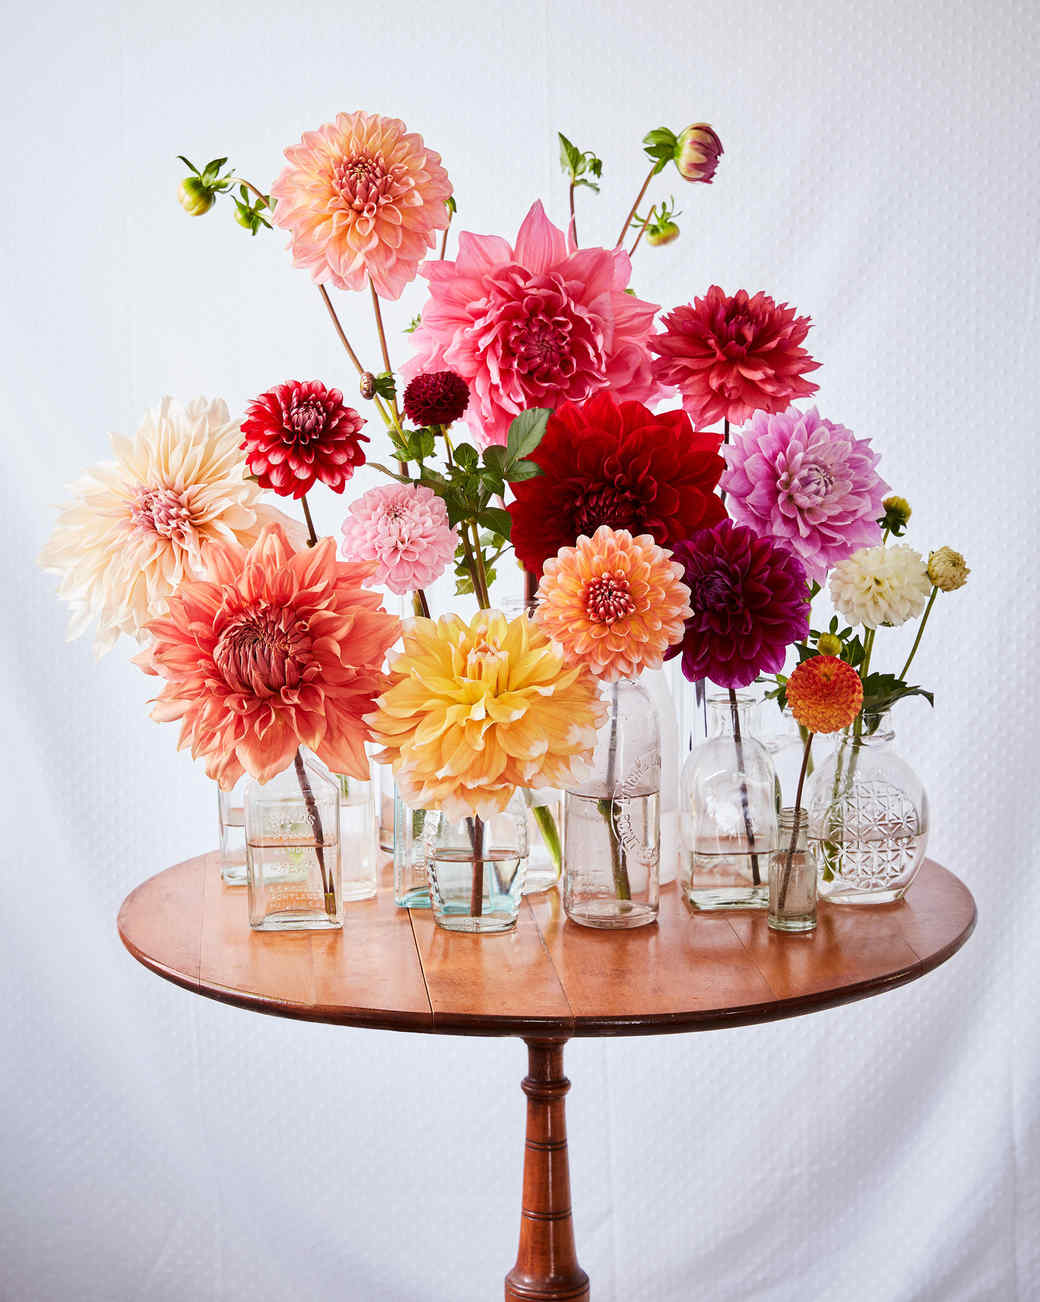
<point>750,601</point>
<point>437,398</point>
<point>299,432</point>
<point>732,355</point>
<point>615,463</point>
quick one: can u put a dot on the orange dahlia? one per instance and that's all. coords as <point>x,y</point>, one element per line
<point>613,602</point>
<point>277,648</point>
<point>476,710</point>
<point>825,694</point>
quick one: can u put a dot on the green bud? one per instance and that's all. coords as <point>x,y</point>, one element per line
<point>829,645</point>
<point>195,196</point>
<point>662,232</point>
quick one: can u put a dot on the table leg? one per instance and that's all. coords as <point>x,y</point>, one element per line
<point>546,1267</point>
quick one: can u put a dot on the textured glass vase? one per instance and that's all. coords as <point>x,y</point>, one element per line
<point>792,876</point>
<point>612,819</point>
<point>231,814</point>
<point>476,868</point>
<point>729,799</point>
<point>868,815</point>
<point>358,831</point>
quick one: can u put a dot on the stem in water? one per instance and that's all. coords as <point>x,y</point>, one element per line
<point>622,886</point>
<point>328,886</point>
<point>476,894</point>
<point>745,803</point>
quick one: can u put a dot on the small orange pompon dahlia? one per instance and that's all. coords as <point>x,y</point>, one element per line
<point>825,694</point>
<point>614,603</point>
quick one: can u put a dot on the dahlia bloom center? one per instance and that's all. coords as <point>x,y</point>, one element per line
<point>718,590</point>
<point>162,511</point>
<point>611,504</point>
<point>263,651</point>
<point>364,182</point>
<point>608,598</point>
<point>304,420</point>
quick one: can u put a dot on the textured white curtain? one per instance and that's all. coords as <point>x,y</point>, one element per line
<point>881,172</point>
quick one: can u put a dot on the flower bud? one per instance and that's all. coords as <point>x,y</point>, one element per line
<point>368,385</point>
<point>661,232</point>
<point>196,197</point>
<point>697,153</point>
<point>947,570</point>
<point>828,644</point>
<point>897,515</point>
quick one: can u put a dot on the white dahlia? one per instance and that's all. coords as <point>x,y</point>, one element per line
<point>880,585</point>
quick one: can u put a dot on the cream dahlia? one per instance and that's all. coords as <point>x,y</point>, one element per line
<point>880,585</point>
<point>476,710</point>
<point>139,525</point>
<point>278,648</point>
<point>947,569</point>
<point>613,603</point>
<point>362,197</point>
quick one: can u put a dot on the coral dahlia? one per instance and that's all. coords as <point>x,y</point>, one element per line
<point>615,463</point>
<point>297,433</point>
<point>825,694</point>
<point>533,324</point>
<point>404,529</point>
<point>363,198</point>
<point>613,602</point>
<point>731,355</point>
<point>278,648</point>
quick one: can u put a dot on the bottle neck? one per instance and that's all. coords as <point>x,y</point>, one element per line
<point>726,719</point>
<point>871,731</point>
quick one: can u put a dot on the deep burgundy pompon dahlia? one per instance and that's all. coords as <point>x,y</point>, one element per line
<point>297,433</point>
<point>436,398</point>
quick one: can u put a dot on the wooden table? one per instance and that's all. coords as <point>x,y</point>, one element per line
<point>546,981</point>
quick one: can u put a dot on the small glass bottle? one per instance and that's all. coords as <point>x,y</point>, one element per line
<point>792,876</point>
<point>411,882</point>
<point>476,868</point>
<point>357,831</point>
<point>612,820</point>
<point>383,801</point>
<point>544,830</point>
<point>232,815</point>
<point>292,849</point>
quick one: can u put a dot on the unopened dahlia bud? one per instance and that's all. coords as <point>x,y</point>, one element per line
<point>697,153</point>
<point>828,644</point>
<point>196,197</point>
<point>662,232</point>
<point>947,570</point>
<point>897,515</point>
<point>368,385</point>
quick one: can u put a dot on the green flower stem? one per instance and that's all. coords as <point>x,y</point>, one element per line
<point>632,211</point>
<point>920,631</point>
<point>547,826</point>
<point>786,879</point>
<point>383,348</point>
<point>745,804</point>
<point>328,886</point>
<point>574,220</point>
<point>622,886</point>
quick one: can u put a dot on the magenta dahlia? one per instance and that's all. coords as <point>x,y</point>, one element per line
<point>731,355</point>
<point>533,324</point>
<point>297,433</point>
<point>808,483</point>
<point>750,601</point>
<point>436,398</point>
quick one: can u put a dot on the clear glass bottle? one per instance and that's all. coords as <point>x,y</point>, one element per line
<point>729,799</point>
<point>612,820</point>
<point>411,881</point>
<point>792,875</point>
<point>383,801</point>
<point>656,682</point>
<point>868,814</point>
<point>293,849</point>
<point>476,868</point>
<point>231,813</point>
<point>357,830</point>
<point>544,832</point>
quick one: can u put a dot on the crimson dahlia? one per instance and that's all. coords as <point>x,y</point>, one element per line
<point>297,433</point>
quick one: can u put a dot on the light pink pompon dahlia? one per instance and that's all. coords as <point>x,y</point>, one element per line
<point>362,197</point>
<point>533,324</point>
<point>279,648</point>
<point>138,525</point>
<point>404,529</point>
<point>613,603</point>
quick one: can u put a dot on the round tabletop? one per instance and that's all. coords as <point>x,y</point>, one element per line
<point>395,969</point>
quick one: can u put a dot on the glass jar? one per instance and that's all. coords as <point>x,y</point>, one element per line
<point>292,849</point>
<point>544,823</point>
<point>411,881</point>
<point>383,802</point>
<point>232,817</point>
<point>729,799</point>
<point>868,814</point>
<point>476,868</point>
<point>612,820</point>
<point>792,875</point>
<point>656,683</point>
<point>357,831</point>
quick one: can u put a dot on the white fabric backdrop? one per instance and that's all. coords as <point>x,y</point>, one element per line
<point>881,173</point>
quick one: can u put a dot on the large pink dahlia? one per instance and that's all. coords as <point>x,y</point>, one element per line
<point>362,197</point>
<point>808,483</point>
<point>533,324</point>
<point>731,355</point>
<point>277,648</point>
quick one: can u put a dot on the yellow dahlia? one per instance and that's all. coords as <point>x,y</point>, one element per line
<point>613,602</point>
<point>138,525</point>
<point>477,709</point>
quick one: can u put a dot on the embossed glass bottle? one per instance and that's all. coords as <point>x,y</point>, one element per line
<point>612,819</point>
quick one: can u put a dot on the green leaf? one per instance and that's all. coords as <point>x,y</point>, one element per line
<point>494,518</point>
<point>427,443</point>
<point>569,155</point>
<point>466,456</point>
<point>413,325</point>
<point>451,205</point>
<point>881,691</point>
<point>585,181</point>
<point>527,431</point>
<point>521,470</point>
<point>189,164</point>
<point>496,458</point>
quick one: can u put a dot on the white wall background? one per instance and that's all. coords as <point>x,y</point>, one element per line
<point>881,172</point>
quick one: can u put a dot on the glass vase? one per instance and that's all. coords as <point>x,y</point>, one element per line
<point>292,849</point>
<point>358,831</point>
<point>656,683</point>
<point>612,823</point>
<point>729,798</point>
<point>544,829</point>
<point>411,881</point>
<point>792,875</point>
<point>232,817</point>
<point>383,800</point>
<point>476,868</point>
<point>868,815</point>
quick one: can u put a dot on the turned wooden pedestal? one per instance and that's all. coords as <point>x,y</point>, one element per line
<point>545,982</point>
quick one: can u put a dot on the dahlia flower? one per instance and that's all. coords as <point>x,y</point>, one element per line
<point>278,648</point>
<point>947,570</point>
<point>880,585</point>
<point>297,433</point>
<point>476,710</point>
<point>750,601</point>
<point>825,694</point>
<point>436,398</point>
<point>615,463</point>
<point>140,524</point>
<point>533,325</point>
<point>404,529</point>
<point>731,355</point>
<point>362,198</point>
<point>808,483</point>
<point>697,153</point>
<point>613,603</point>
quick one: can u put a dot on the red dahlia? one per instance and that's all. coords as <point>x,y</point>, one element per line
<point>436,398</point>
<point>619,464</point>
<point>299,432</point>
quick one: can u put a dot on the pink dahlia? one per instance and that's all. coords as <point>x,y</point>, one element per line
<point>534,324</point>
<point>362,198</point>
<point>404,529</point>
<point>806,482</point>
<point>297,433</point>
<point>277,648</point>
<point>731,355</point>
